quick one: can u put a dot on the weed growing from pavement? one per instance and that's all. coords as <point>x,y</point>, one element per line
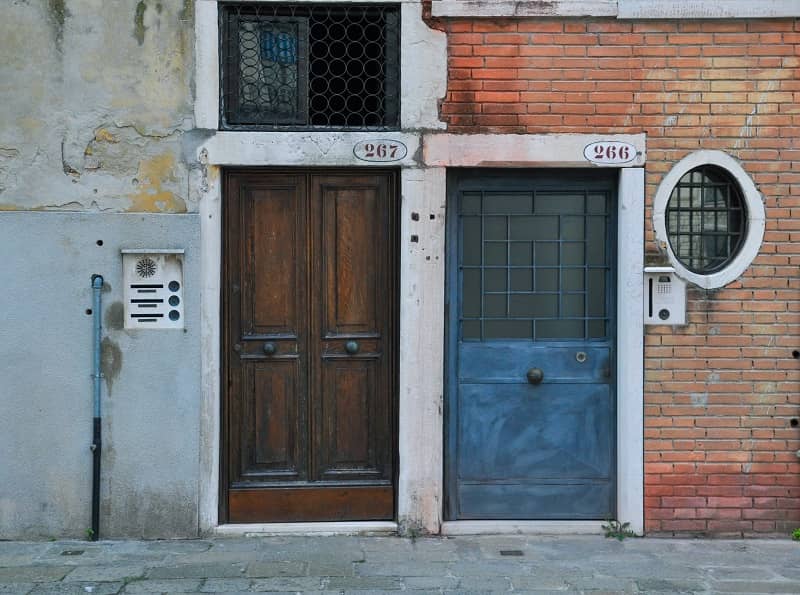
<point>618,530</point>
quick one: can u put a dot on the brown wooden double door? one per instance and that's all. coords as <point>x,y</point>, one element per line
<point>309,346</point>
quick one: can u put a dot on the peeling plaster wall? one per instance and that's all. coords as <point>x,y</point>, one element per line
<point>97,105</point>
<point>151,407</point>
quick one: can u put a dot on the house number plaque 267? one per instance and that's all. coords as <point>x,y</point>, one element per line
<point>380,150</point>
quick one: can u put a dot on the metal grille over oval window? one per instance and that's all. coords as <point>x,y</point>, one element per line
<point>706,219</point>
<point>310,66</point>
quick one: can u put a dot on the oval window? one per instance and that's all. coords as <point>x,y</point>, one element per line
<point>706,219</point>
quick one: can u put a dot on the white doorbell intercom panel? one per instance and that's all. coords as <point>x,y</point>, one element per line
<point>153,281</point>
<point>664,296</point>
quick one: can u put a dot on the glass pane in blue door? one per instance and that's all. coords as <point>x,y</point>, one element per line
<point>534,264</point>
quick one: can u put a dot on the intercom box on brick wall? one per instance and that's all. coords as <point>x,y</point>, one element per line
<point>664,296</point>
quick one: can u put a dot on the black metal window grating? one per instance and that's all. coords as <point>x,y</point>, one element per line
<point>310,66</point>
<point>705,219</point>
<point>535,265</point>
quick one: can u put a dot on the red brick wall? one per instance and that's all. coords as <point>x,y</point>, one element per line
<point>720,393</point>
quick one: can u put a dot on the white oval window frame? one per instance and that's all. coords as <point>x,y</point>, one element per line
<point>754,232</point>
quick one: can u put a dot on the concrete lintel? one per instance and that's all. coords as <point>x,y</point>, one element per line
<point>524,8</point>
<point>301,149</point>
<point>521,150</point>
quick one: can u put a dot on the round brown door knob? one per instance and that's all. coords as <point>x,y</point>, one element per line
<point>351,347</point>
<point>270,349</point>
<point>535,375</point>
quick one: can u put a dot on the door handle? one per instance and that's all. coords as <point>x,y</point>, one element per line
<point>351,347</point>
<point>535,375</point>
<point>270,349</point>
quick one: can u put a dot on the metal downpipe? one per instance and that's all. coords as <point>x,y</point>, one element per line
<point>97,375</point>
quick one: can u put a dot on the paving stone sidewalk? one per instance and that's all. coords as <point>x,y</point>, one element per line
<point>579,564</point>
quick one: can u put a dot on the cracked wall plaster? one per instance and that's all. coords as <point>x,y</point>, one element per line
<point>96,97</point>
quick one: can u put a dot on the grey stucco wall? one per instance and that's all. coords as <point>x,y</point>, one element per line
<point>151,392</point>
<point>96,103</point>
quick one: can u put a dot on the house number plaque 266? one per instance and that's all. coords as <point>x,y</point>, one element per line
<point>610,152</point>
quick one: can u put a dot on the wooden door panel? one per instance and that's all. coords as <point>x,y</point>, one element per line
<point>352,267</point>
<point>272,268</point>
<point>309,504</point>
<point>355,428</point>
<point>271,414</point>
<point>354,421</point>
<point>266,305</point>
<point>346,437</point>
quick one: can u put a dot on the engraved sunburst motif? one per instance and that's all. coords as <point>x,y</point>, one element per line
<point>145,267</point>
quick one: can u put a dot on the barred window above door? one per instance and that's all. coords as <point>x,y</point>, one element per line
<point>310,66</point>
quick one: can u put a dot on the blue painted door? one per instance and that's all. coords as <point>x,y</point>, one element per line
<point>531,409</point>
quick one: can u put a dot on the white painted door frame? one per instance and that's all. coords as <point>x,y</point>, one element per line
<point>422,292</point>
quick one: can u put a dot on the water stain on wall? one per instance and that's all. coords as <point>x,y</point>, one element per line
<point>57,13</point>
<point>110,362</point>
<point>115,316</point>
<point>187,12</point>
<point>139,27</point>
